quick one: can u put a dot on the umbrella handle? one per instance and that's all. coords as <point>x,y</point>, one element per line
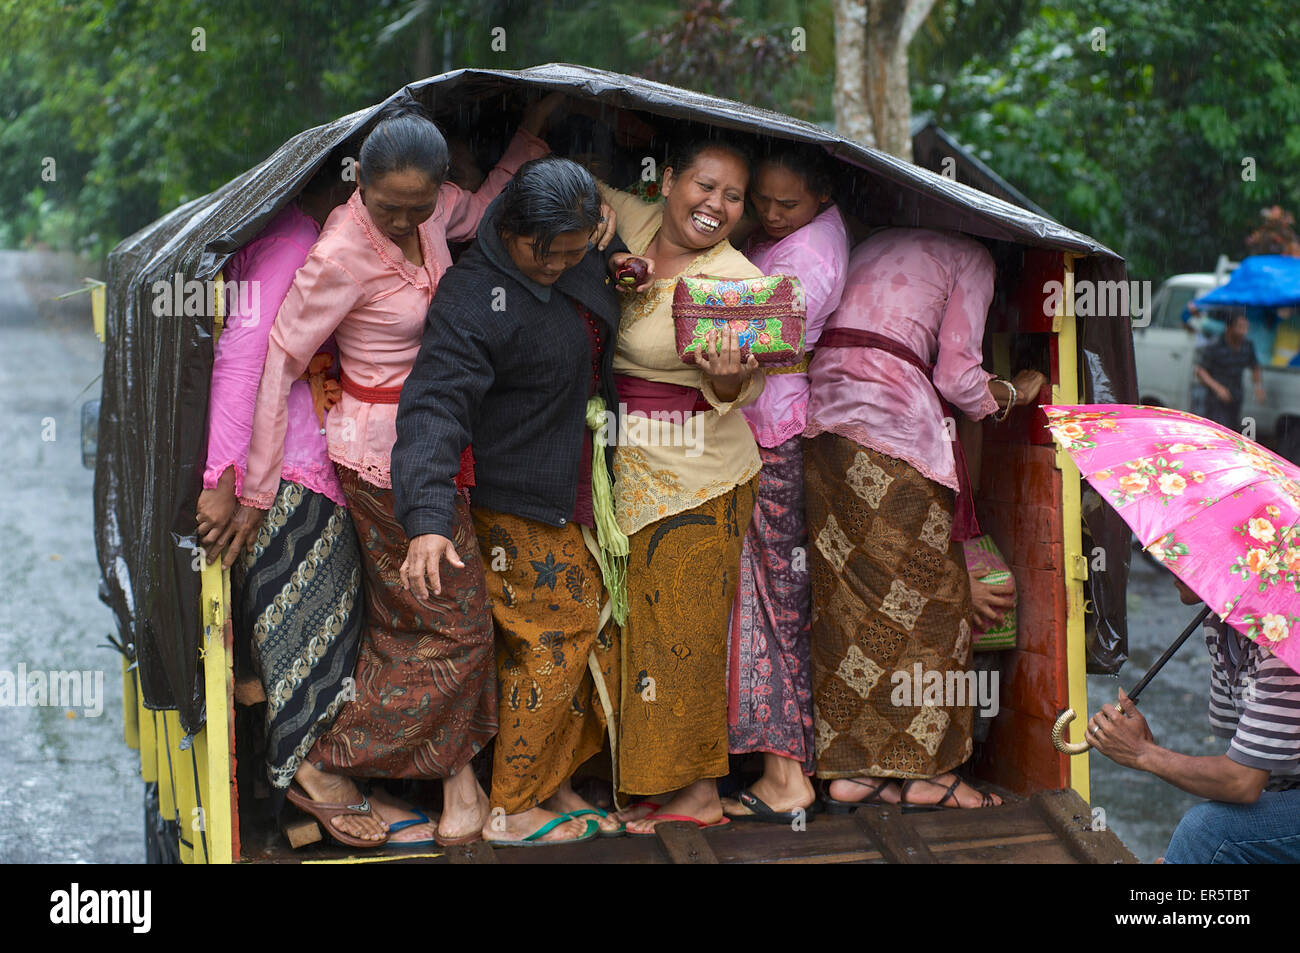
<point>1058,735</point>
<point>1067,716</point>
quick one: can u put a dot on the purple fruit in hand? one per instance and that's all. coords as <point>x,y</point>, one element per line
<point>632,272</point>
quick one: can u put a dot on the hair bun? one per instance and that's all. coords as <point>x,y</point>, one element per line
<point>401,108</point>
<point>403,137</point>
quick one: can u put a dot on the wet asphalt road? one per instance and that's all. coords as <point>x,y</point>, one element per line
<point>69,788</point>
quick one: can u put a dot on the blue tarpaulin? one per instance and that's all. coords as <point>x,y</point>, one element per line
<point>1261,281</point>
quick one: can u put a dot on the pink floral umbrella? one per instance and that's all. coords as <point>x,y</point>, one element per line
<point>1220,511</point>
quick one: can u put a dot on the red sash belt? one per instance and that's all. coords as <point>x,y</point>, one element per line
<point>650,397</point>
<point>371,395</point>
<point>964,524</point>
<point>393,395</point>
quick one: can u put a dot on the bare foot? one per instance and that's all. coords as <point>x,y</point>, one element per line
<point>566,800</point>
<point>393,810</point>
<point>699,800</point>
<point>783,787</point>
<point>864,790</point>
<point>337,789</point>
<point>931,792</point>
<point>516,827</point>
<point>464,806</point>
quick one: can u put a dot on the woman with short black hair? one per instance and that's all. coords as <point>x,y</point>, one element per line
<point>516,359</point>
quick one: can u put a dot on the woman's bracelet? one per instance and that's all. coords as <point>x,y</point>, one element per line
<point>1006,412</point>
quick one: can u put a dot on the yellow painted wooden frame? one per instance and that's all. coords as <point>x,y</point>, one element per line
<point>1076,564</point>
<point>214,742</point>
<point>212,745</point>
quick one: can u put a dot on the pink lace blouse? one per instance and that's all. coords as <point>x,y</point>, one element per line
<point>818,255</point>
<point>358,286</point>
<point>267,264</point>
<point>930,291</point>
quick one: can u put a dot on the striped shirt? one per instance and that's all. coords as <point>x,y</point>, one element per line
<point>1254,701</point>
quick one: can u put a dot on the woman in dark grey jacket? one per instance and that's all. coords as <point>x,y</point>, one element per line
<point>516,359</point>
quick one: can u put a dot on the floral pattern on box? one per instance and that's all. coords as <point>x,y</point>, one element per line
<point>767,313</point>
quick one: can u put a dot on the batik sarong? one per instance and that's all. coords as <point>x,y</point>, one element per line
<point>425,680</point>
<point>681,583</point>
<point>547,593</point>
<point>891,604</point>
<point>769,676</point>
<point>298,617</point>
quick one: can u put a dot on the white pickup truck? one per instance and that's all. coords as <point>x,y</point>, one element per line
<point>1165,354</point>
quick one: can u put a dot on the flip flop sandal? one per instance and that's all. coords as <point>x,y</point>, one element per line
<point>622,828</point>
<point>834,806</point>
<point>420,818</point>
<point>533,839</point>
<point>761,811</point>
<point>324,812</point>
<point>678,817</point>
<point>650,804</point>
<point>910,807</point>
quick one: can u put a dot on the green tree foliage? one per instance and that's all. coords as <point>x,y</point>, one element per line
<point>1132,120</point>
<point>144,106</point>
<point>140,113</point>
<point>707,46</point>
<point>1139,141</point>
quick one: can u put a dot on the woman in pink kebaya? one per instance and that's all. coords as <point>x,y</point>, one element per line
<point>801,233</point>
<point>425,686</point>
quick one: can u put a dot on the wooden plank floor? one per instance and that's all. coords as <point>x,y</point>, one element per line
<point>1051,827</point>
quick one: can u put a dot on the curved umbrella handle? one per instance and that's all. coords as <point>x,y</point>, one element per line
<point>1058,735</point>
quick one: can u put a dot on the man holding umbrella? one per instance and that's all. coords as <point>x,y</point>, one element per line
<point>1222,514</point>
<point>1253,811</point>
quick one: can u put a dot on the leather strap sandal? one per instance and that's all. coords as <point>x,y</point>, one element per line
<point>834,806</point>
<point>950,794</point>
<point>324,812</point>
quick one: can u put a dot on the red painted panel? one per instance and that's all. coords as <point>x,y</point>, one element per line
<point>1018,302</point>
<point>1024,425</point>
<point>1040,610</point>
<point>1041,266</point>
<point>1031,685</point>
<point>1019,754</point>
<point>1020,507</point>
<point>1019,502</point>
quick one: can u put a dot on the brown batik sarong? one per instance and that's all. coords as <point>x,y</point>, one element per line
<point>681,583</point>
<point>426,699</point>
<point>547,593</point>
<point>890,591</point>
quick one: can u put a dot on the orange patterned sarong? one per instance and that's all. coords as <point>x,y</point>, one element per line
<point>547,593</point>
<point>681,583</point>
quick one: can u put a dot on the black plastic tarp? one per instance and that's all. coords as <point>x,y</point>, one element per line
<point>157,369</point>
